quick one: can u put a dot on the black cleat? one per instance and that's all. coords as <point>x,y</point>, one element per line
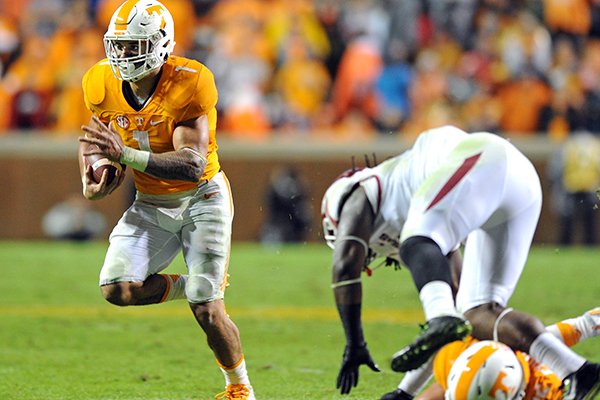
<point>436,333</point>
<point>583,384</point>
<point>397,394</point>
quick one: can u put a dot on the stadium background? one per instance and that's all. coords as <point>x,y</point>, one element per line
<point>308,84</point>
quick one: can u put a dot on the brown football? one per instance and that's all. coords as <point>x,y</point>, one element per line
<point>100,164</point>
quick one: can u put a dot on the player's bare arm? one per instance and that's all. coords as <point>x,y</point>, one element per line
<point>186,162</point>
<point>351,247</point>
<point>349,257</point>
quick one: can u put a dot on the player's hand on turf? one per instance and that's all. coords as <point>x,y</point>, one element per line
<point>354,357</point>
<point>107,139</point>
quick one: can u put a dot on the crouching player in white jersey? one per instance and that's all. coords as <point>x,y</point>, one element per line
<point>472,369</point>
<point>450,188</point>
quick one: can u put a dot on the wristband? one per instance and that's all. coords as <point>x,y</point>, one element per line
<point>136,159</point>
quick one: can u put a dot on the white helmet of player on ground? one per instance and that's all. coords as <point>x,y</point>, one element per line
<point>334,199</point>
<point>139,39</point>
<point>487,370</point>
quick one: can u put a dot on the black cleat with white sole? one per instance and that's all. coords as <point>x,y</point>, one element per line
<point>397,394</point>
<point>583,384</point>
<point>437,332</point>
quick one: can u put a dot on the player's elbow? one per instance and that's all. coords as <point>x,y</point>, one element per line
<point>191,172</point>
<point>197,169</point>
<point>344,271</point>
<point>194,169</point>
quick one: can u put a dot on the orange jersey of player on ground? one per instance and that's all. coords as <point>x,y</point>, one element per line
<point>186,90</point>
<point>542,383</point>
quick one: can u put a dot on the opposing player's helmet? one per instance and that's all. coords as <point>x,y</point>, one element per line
<point>146,23</point>
<point>487,370</point>
<point>334,199</point>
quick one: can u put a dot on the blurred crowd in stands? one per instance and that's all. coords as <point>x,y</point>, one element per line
<point>347,68</point>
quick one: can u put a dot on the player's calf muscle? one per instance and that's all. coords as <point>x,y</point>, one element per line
<point>516,329</point>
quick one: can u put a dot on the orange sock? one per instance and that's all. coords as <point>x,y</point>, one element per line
<point>573,330</point>
<point>569,333</point>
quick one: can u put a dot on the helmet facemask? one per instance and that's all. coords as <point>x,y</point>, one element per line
<point>333,201</point>
<point>329,231</point>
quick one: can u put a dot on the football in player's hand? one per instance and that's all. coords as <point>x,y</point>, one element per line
<point>100,164</point>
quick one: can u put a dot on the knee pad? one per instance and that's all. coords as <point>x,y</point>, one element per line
<point>200,289</point>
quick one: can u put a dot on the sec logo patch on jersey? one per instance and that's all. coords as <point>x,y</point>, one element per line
<point>122,121</point>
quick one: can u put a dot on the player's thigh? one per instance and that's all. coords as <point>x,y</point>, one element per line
<point>138,247</point>
<point>457,198</point>
<point>493,260</point>
<point>206,242</point>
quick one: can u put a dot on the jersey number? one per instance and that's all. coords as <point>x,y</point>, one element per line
<point>143,140</point>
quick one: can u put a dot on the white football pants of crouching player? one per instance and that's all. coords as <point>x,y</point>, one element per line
<point>494,207</point>
<point>151,233</point>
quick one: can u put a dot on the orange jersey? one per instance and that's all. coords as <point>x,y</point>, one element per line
<point>542,383</point>
<point>186,90</point>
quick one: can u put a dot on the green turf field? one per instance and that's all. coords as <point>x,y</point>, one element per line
<point>59,340</point>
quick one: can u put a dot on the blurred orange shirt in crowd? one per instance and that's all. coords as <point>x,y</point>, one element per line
<point>571,16</point>
<point>521,101</point>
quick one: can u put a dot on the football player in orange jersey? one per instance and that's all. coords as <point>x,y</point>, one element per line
<point>538,381</point>
<point>155,113</point>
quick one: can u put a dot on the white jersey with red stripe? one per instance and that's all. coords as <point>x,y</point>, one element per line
<point>455,187</point>
<point>390,185</point>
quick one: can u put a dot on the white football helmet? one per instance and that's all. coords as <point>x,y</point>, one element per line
<point>487,370</point>
<point>334,199</point>
<point>149,25</point>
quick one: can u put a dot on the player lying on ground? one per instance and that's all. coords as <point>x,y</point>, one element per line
<point>461,369</point>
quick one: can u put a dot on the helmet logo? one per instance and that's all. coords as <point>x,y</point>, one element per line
<point>500,387</point>
<point>486,369</point>
<point>158,9</point>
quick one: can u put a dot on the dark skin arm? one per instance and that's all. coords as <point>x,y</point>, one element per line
<point>349,257</point>
<point>357,219</point>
